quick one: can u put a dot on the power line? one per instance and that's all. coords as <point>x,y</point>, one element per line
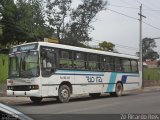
<point>118,45</point>
<point>158,10</point>
<point>147,7</point>
<point>154,15</point>
<point>126,2</point>
<point>123,6</point>
<point>138,1</point>
<point>153,5</point>
<point>134,18</point>
<point>151,25</point>
<point>122,14</point>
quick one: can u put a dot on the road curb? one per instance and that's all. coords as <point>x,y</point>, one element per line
<point>145,90</point>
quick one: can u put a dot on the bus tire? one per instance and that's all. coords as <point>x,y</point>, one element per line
<point>64,94</point>
<point>36,99</point>
<point>118,90</point>
<point>94,95</point>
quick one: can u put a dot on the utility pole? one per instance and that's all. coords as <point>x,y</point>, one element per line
<point>140,46</point>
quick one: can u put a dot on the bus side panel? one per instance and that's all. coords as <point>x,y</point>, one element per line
<point>90,82</point>
<point>130,81</point>
<point>80,83</point>
<point>55,81</point>
<point>44,86</point>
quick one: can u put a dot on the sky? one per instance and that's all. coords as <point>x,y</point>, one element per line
<point>124,31</point>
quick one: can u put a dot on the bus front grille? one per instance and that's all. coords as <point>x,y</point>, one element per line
<point>21,88</point>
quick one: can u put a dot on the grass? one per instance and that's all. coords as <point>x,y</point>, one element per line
<point>152,73</point>
<point>3,68</point>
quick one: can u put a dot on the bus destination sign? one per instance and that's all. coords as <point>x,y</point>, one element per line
<point>24,48</point>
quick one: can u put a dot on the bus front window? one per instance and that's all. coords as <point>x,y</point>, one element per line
<point>24,64</point>
<point>14,65</point>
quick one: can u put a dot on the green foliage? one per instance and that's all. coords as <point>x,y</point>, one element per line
<point>57,13</point>
<point>4,68</point>
<point>148,49</point>
<point>22,21</point>
<point>106,46</point>
<point>0,30</point>
<point>81,19</point>
<point>8,14</point>
<point>0,34</point>
<point>32,20</point>
<point>151,74</point>
<point>72,26</point>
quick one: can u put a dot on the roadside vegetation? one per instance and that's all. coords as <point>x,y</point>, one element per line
<point>152,73</point>
<point>3,68</point>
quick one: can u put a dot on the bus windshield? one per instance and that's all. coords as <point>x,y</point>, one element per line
<point>24,65</point>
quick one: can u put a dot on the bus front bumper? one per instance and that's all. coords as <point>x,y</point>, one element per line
<point>23,93</point>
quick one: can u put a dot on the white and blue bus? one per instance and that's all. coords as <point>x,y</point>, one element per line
<point>41,69</point>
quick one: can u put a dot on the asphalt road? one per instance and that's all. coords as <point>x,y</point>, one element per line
<point>141,103</point>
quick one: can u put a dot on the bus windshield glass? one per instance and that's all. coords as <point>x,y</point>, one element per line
<point>24,65</point>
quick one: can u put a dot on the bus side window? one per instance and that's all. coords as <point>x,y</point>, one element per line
<point>79,60</point>
<point>102,62</point>
<point>108,63</point>
<point>134,66</point>
<point>126,65</point>
<point>118,65</point>
<point>93,62</point>
<point>65,59</point>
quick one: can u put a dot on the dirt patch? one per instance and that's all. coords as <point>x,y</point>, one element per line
<point>148,83</point>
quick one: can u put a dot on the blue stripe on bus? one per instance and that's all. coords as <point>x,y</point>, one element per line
<point>111,82</point>
<point>75,72</point>
<point>79,74</point>
<point>124,79</point>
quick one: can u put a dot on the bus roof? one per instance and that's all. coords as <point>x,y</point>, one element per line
<point>80,49</point>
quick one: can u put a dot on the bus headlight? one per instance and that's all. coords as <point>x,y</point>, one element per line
<point>9,87</point>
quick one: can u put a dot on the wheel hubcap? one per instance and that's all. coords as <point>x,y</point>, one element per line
<point>64,93</point>
<point>119,89</point>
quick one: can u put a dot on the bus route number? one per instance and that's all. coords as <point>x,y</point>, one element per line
<point>92,79</point>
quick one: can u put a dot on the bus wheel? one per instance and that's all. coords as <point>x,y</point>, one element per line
<point>94,95</point>
<point>64,94</point>
<point>118,92</point>
<point>36,99</point>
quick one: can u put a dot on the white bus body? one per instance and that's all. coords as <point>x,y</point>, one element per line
<point>78,81</point>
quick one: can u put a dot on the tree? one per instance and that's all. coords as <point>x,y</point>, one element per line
<point>148,49</point>
<point>72,26</point>
<point>106,46</point>
<point>22,21</point>
<point>57,13</point>
<point>8,21</point>
<point>28,20</point>
<point>78,29</point>
<point>31,20</point>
